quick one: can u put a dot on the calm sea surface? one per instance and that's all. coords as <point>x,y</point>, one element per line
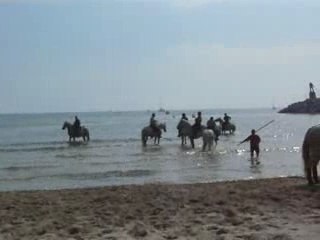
<point>35,153</point>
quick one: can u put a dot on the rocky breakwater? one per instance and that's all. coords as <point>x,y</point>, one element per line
<point>309,106</point>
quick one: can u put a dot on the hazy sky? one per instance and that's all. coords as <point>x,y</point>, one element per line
<point>76,55</point>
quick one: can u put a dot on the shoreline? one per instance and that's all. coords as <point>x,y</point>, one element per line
<point>276,208</point>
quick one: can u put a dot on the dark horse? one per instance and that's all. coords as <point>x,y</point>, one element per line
<point>149,132</point>
<point>311,154</point>
<point>84,132</point>
<point>230,127</point>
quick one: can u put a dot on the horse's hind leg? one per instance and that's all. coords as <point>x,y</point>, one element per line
<point>204,146</point>
<point>309,176</point>
<point>315,174</point>
<point>192,142</point>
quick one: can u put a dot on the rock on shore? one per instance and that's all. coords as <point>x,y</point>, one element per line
<point>307,107</point>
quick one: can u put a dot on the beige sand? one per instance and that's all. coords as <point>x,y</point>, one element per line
<point>278,209</point>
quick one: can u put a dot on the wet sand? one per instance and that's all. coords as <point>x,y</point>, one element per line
<point>281,209</point>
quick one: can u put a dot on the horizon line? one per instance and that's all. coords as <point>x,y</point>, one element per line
<point>135,110</point>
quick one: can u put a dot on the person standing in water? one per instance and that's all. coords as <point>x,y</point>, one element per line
<point>254,143</point>
<point>183,117</point>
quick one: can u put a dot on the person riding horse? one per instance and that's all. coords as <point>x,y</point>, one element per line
<point>183,117</point>
<point>154,125</point>
<point>196,127</point>
<point>211,124</point>
<point>77,126</point>
<point>226,118</point>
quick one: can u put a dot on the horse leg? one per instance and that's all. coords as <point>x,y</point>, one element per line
<point>309,176</point>
<point>315,174</point>
<point>204,146</point>
<point>192,142</point>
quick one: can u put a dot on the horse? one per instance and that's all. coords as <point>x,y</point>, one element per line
<point>149,132</point>
<point>208,136</point>
<point>311,154</point>
<point>187,131</point>
<point>84,132</point>
<point>230,127</point>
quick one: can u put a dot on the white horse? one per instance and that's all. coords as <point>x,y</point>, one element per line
<point>186,130</point>
<point>84,132</point>
<point>149,132</point>
<point>208,137</point>
<point>311,154</point>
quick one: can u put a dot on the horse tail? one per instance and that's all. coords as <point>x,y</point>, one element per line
<point>305,152</point>
<point>143,139</point>
<point>88,135</point>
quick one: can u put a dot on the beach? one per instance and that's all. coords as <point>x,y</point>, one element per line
<point>277,208</point>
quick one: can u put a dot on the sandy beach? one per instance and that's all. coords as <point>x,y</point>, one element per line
<point>281,208</point>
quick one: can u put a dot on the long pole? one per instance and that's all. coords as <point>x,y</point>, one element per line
<point>267,124</point>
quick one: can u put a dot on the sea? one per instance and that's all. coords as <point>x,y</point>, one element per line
<point>35,153</point>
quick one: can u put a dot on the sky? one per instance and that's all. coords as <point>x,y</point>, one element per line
<point>100,55</point>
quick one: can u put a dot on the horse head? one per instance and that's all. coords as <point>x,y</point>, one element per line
<point>163,126</point>
<point>219,120</point>
<point>66,125</point>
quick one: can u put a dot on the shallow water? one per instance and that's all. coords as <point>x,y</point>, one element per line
<point>35,154</point>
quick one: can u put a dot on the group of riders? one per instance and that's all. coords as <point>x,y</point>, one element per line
<point>196,127</point>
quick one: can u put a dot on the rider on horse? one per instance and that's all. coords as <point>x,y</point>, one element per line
<point>211,124</point>
<point>76,126</point>
<point>197,125</point>
<point>154,125</point>
<point>226,118</point>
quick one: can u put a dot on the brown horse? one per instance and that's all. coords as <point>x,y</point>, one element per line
<point>311,154</point>
<point>149,132</point>
<point>84,132</point>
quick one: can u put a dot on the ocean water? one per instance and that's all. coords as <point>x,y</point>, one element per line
<point>35,153</point>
